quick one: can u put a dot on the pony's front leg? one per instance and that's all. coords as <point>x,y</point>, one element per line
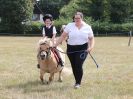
<point>41,75</point>
<point>60,77</point>
<point>51,77</point>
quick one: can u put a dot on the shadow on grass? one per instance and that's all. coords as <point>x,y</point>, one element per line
<point>37,86</point>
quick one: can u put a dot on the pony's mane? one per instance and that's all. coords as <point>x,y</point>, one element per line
<point>45,40</point>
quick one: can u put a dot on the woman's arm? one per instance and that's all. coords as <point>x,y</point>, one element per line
<point>61,38</point>
<point>91,43</point>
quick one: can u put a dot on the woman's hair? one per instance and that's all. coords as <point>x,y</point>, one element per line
<point>48,16</point>
<point>79,13</point>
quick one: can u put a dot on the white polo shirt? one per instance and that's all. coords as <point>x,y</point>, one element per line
<point>78,36</point>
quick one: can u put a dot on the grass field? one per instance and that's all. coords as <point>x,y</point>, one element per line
<point>19,77</point>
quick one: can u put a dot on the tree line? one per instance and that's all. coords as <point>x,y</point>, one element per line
<point>16,15</point>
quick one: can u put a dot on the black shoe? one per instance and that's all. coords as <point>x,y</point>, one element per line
<point>61,63</point>
<point>38,66</point>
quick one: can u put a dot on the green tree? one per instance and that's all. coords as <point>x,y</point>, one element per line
<point>68,10</point>
<point>119,10</point>
<point>52,6</point>
<point>97,9</point>
<point>130,18</point>
<point>14,14</point>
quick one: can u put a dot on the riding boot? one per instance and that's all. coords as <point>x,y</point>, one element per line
<point>61,62</point>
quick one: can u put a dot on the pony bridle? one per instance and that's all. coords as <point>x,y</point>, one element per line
<point>45,54</point>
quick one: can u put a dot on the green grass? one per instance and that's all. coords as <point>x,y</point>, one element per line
<point>19,77</point>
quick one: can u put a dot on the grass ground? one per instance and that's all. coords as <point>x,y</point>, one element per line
<point>19,77</point>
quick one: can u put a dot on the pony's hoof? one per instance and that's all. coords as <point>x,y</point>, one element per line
<point>47,82</point>
<point>60,80</point>
<point>38,66</point>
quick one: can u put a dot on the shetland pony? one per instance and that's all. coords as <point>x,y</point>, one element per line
<point>47,60</point>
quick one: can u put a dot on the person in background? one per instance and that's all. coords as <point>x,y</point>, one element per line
<point>80,42</point>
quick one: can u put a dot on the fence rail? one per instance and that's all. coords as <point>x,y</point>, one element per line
<point>96,34</point>
<point>113,34</point>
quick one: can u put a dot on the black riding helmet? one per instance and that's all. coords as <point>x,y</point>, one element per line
<point>48,16</point>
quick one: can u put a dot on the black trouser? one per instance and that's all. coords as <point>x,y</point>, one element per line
<point>75,54</point>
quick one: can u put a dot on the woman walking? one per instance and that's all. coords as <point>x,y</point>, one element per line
<point>80,41</point>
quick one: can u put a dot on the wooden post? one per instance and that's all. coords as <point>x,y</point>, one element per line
<point>130,36</point>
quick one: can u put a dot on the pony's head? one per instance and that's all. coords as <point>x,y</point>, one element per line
<point>45,45</point>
